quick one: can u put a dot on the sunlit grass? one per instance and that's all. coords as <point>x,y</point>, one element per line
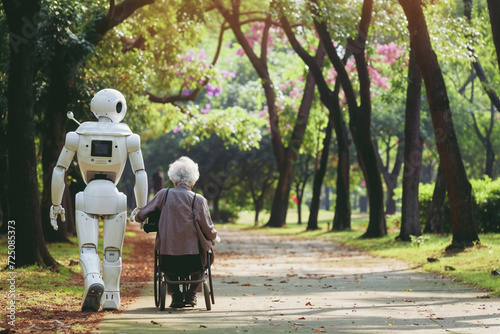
<point>472,266</point>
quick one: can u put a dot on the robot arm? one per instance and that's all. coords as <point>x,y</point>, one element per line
<point>137,163</point>
<point>59,176</point>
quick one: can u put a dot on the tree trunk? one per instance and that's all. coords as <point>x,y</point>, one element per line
<point>54,135</point>
<point>215,211</point>
<point>368,163</point>
<point>494,9</point>
<point>342,217</point>
<point>459,189</point>
<point>312,223</point>
<point>435,216</point>
<point>258,207</point>
<point>390,178</point>
<point>279,206</point>
<point>427,172</point>
<point>280,201</point>
<point>359,116</point>
<point>30,247</point>
<point>330,100</point>
<point>410,215</point>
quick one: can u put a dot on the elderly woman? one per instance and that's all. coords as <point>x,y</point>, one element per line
<point>185,229</point>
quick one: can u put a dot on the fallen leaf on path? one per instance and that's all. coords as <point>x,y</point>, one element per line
<point>154,322</point>
<point>319,330</point>
<point>309,304</point>
<point>203,326</point>
<point>302,318</point>
<point>246,284</point>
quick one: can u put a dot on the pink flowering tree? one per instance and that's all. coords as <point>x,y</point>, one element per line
<point>256,44</point>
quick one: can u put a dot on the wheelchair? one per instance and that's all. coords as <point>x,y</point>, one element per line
<point>161,280</point>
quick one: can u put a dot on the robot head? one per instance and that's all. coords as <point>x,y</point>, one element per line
<point>109,103</point>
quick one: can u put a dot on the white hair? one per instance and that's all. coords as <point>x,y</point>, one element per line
<point>183,171</point>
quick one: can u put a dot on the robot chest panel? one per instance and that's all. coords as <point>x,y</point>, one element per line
<point>102,157</point>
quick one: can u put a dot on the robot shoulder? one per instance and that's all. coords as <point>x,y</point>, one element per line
<point>133,143</point>
<point>72,140</point>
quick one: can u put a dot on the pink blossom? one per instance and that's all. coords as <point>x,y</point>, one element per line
<point>295,93</point>
<point>176,129</point>
<point>206,110</point>
<point>377,78</point>
<point>202,55</point>
<point>213,91</point>
<point>391,52</point>
<point>227,74</point>
<point>240,52</point>
<point>263,112</point>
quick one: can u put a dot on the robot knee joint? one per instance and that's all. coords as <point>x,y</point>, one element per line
<point>112,254</point>
<point>89,249</point>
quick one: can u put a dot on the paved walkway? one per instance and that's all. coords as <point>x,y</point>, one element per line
<point>273,284</point>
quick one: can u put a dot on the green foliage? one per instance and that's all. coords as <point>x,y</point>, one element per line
<point>417,241</point>
<point>228,214</point>
<point>486,194</point>
<point>234,126</point>
<point>486,202</point>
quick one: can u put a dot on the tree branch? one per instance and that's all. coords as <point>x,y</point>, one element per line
<point>115,15</point>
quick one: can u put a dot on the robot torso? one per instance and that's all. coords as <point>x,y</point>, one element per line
<point>102,150</point>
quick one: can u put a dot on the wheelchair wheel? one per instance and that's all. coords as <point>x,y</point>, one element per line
<point>211,285</point>
<point>206,292</point>
<point>157,279</point>
<point>163,295</point>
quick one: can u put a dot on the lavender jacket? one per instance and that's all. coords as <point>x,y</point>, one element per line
<point>178,233</point>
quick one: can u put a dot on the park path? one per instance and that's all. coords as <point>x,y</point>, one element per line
<point>277,284</point>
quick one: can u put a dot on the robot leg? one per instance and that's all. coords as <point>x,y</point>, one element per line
<point>114,232</point>
<point>88,233</point>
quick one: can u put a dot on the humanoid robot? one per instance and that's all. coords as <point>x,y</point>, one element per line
<point>102,148</point>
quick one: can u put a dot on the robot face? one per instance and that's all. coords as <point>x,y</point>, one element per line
<point>109,103</point>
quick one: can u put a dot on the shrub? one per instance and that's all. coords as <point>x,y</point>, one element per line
<point>486,203</point>
<point>228,214</point>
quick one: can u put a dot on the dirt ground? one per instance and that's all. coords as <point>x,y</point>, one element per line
<point>275,284</point>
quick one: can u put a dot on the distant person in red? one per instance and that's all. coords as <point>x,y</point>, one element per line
<point>158,181</point>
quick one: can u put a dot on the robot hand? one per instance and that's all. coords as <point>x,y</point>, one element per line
<point>133,214</point>
<point>216,241</point>
<point>56,210</point>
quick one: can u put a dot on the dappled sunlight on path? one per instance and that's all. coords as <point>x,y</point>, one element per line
<point>278,284</point>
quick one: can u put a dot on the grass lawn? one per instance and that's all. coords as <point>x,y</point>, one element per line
<point>473,265</point>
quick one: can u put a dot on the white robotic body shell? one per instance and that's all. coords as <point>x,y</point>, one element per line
<point>104,128</point>
<point>102,157</point>
<point>101,197</point>
<point>72,139</point>
<point>133,143</point>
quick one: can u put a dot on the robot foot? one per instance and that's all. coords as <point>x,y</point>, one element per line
<point>92,299</point>
<point>111,301</point>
